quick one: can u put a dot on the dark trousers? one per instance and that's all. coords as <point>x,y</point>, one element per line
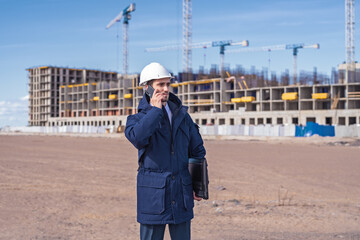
<point>156,232</point>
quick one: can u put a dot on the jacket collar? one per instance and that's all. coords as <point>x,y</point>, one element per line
<point>177,109</point>
<point>174,103</point>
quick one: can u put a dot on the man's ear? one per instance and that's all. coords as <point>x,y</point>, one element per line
<point>146,87</point>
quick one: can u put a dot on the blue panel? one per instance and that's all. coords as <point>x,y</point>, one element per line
<point>312,128</point>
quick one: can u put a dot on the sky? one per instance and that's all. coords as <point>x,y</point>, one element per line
<point>72,33</point>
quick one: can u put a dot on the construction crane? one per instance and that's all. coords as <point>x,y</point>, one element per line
<point>187,44</point>
<point>294,47</point>
<point>187,35</point>
<point>220,44</point>
<point>350,40</point>
<point>126,14</point>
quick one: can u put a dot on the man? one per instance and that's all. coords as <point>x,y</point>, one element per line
<point>166,137</point>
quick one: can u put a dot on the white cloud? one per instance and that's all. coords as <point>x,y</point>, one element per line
<point>25,98</point>
<point>14,112</point>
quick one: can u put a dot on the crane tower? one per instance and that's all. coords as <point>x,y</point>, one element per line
<point>187,35</point>
<point>350,39</point>
<point>126,14</point>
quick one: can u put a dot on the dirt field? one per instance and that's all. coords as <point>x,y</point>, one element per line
<point>56,187</point>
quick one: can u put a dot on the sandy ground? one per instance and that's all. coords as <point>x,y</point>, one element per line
<point>61,187</point>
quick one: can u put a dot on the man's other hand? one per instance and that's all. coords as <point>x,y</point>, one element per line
<point>197,198</point>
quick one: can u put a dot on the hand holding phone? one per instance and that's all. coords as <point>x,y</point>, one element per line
<point>155,96</point>
<point>150,91</point>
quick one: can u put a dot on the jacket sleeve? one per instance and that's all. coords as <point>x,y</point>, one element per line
<point>139,129</point>
<point>196,145</point>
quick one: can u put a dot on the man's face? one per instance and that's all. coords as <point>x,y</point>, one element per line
<point>162,86</point>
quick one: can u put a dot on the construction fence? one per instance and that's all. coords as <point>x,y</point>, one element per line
<point>63,129</point>
<point>290,130</point>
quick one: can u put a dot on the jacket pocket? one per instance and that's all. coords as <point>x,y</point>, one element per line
<point>187,192</point>
<point>151,194</point>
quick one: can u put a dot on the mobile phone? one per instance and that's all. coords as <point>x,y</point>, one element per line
<point>150,91</point>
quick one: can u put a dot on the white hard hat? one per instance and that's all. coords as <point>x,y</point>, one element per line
<point>153,71</point>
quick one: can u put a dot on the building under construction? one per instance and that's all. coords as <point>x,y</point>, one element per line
<point>67,96</point>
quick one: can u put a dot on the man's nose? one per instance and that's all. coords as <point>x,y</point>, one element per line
<point>166,88</point>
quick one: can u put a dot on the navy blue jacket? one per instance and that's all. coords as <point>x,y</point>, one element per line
<point>164,186</point>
